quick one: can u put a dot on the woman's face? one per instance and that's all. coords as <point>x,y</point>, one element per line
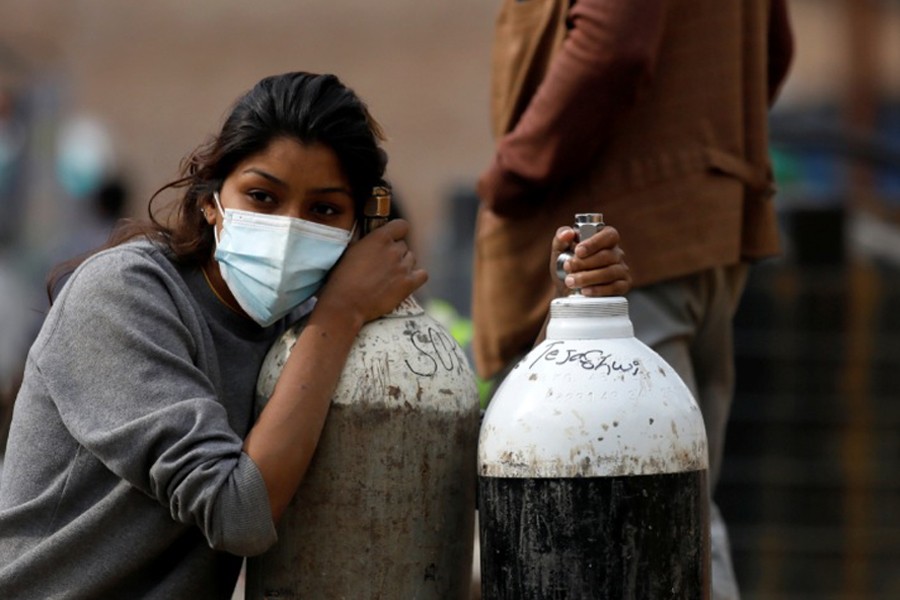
<point>289,178</point>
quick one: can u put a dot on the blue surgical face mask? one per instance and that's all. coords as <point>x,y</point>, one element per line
<point>271,263</point>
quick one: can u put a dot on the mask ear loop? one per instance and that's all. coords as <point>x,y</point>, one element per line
<point>218,203</point>
<point>221,212</point>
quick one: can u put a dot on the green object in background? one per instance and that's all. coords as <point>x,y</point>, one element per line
<point>461,329</point>
<point>786,169</point>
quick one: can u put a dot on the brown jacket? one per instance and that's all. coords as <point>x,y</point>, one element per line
<point>653,112</point>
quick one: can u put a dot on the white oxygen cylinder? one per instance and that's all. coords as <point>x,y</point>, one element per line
<point>592,465</point>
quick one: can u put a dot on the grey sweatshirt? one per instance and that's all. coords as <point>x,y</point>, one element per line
<point>124,475</point>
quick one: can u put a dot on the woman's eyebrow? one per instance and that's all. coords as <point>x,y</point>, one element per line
<point>332,190</point>
<point>265,175</point>
<point>281,183</point>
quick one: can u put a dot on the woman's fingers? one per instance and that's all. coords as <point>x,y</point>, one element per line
<point>376,273</point>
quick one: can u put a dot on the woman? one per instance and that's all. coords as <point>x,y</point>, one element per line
<point>134,468</point>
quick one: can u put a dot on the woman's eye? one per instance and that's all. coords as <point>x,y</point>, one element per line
<point>325,210</point>
<point>261,197</point>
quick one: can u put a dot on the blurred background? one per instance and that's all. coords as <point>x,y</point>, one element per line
<point>100,100</point>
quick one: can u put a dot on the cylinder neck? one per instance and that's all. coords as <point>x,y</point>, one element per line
<point>579,317</point>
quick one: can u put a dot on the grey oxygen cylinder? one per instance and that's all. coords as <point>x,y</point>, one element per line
<point>387,507</point>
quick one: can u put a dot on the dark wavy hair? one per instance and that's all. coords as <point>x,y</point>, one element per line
<point>307,107</point>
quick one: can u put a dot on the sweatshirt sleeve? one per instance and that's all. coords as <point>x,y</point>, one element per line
<point>121,366</point>
<point>610,49</point>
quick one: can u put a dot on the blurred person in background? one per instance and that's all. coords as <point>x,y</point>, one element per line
<point>13,142</point>
<point>92,187</point>
<point>653,112</point>
<point>93,225</point>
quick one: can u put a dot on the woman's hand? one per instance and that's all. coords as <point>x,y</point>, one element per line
<point>597,267</point>
<point>374,275</point>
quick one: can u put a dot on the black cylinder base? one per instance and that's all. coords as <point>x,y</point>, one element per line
<point>642,536</point>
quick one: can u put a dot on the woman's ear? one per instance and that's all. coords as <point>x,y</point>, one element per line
<point>209,211</point>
